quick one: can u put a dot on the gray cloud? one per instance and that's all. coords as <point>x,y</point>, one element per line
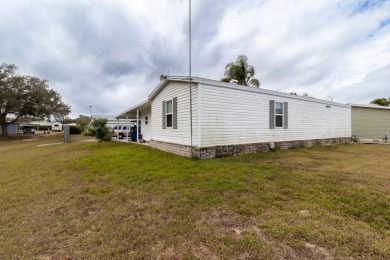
<point>119,68</point>
<point>110,54</point>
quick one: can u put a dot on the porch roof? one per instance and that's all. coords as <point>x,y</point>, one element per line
<point>132,112</point>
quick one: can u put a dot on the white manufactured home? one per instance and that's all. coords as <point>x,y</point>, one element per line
<point>215,119</point>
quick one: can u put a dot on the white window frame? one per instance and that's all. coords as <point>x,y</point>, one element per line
<point>167,114</point>
<point>146,120</point>
<point>278,114</point>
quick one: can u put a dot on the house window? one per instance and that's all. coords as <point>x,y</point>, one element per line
<point>279,114</point>
<point>146,120</point>
<point>169,113</point>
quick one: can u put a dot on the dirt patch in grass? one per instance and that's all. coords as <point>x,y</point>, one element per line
<point>28,137</point>
<point>16,138</point>
<point>244,239</point>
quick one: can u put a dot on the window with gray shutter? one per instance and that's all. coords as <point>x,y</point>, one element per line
<point>164,125</point>
<point>271,114</point>
<point>169,113</point>
<point>278,114</point>
<point>174,113</point>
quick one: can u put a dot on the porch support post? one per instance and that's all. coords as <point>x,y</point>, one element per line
<point>137,124</point>
<point>117,129</point>
<point>127,127</point>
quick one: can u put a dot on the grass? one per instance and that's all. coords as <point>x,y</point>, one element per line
<point>130,201</point>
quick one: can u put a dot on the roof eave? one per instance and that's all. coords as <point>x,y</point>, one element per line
<point>370,106</point>
<point>140,105</point>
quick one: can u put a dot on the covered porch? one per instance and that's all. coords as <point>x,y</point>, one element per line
<point>138,115</point>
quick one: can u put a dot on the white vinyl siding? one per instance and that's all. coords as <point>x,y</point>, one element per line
<point>233,116</point>
<point>146,129</point>
<point>181,135</point>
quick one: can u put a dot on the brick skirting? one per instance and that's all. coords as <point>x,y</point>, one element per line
<point>232,150</point>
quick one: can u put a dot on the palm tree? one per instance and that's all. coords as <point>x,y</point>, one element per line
<point>241,71</point>
<point>381,102</point>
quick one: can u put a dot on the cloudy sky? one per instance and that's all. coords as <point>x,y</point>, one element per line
<point>109,54</point>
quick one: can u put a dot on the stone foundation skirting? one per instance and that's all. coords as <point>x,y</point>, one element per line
<point>232,150</point>
<point>179,149</point>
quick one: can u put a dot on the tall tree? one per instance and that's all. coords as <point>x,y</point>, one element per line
<point>241,71</point>
<point>26,96</point>
<point>381,102</point>
<point>83,121</point>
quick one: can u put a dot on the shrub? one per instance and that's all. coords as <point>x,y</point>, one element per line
<point>107,137</point>
<point>75,130</point>
<point>98,128</point>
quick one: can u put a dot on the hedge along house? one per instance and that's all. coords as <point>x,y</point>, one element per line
<point>370,122</point>
<point>229,119</point>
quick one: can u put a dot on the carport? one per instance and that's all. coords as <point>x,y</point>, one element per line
<point>133,115</point>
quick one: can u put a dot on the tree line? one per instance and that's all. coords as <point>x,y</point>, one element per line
<point>24,95</point>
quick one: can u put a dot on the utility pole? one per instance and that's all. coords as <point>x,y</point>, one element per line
<point>189,65</point>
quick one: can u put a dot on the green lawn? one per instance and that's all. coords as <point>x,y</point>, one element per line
<point>129,201</point>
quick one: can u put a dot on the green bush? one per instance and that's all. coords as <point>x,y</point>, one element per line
<point>98,128</point>
<point>75,130</point>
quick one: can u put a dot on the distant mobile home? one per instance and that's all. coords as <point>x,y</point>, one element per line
<point>370,122</point>
<point>229,119</point>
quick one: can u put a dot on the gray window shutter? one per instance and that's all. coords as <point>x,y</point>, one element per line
<point>285,123</point>
<point>271,114</point>
<point>164,117</point>
<point>174,113</point>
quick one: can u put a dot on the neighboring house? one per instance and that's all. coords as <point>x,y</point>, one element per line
<point>12,129</point>
<point>229,119</point>
<point>37,125</point>
<point>370,122</point>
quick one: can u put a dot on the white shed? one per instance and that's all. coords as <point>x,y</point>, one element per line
<point>230,119</point>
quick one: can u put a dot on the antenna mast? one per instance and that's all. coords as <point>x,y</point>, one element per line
<point>189,65</point>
